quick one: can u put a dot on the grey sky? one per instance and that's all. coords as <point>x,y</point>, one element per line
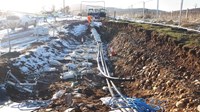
<point>38,5</point>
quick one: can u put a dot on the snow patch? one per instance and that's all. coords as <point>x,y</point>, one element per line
<point>97,24</point>
<point>78,30</point>
<point>67,75</point>
<point>39,59</point>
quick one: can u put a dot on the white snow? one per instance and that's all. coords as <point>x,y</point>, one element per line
<point>50,69</point>
<point>54,62</point>
<point>67,75</point>
<point>96,35</point>
<point>98,24</point>
<point>86,64</point>
<point>58,94</point>
<point>36,58</point>
<point>69,110</point>
<point>71,66</point>
<point>28,106</point>
<point>41,30</point>
<point>85,72</point>
<point>78,29</point>
<point>92,51</point>
<point>106,100</point>
<point>87,57</point>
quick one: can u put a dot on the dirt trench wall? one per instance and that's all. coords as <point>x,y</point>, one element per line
<point>163,68</point>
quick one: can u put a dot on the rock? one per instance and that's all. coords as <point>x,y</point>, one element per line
<point>105,88</point>
<point>90,106</point>
<point>70,110</point>
<point>81,104</point>
<point>169,83</point>
<point>154,88</point>
<point>48,110</point>
<point>78,95</point>
<point>68,99</point>
<point>58,94</point>
<point>54,62</point>
<point>198,108</point>
<point>175,110</point>
<point>182,103</point>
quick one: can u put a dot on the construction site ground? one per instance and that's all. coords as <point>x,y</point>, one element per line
<point>164,68</point>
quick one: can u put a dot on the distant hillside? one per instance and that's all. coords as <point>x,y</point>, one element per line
<point>131,11</point>
<point>192,15</point>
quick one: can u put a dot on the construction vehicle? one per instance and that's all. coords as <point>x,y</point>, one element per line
<point>97,13</point>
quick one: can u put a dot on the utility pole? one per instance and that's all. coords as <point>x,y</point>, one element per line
<point>180,15</point>
<point>171,15</point>
<point>114,14</point>
<point>9,43</point>
<point>157,13</point>
<point>186,15</point>
<point>64,6</point>
<point>143,10</point>
<point>131,11</point>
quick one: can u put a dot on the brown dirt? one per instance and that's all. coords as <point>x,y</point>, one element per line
<point>4,63</point>
<point>88,102</point>
<point>163,69</point>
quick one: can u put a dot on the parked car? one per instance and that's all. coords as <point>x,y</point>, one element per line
<point>24,21</point>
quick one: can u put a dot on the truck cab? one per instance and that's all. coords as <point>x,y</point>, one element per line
<point>97,13</point>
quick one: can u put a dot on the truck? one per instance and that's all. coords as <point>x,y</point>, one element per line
<point>16,21</point>
<point>97,13</point>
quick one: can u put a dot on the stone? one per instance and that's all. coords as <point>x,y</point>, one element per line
<point>90,106</point>
<point>70,110</point>
<point>182,103</point>
<point>48,110</point>
<point>198,108</point>
<point>154,88</point>
<point>175,110</point>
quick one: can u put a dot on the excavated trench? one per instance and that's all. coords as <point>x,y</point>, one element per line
<point>163,68</point>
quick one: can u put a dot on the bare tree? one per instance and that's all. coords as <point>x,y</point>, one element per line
<point>66,9</point>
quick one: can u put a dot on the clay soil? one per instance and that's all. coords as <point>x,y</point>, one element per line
<point>164,69</point>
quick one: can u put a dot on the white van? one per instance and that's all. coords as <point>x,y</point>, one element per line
<point>24,21</point>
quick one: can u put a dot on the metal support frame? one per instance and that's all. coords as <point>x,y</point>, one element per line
<point>13,81</point>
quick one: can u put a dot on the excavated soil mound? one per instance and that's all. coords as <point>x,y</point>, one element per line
<point>163,68</point>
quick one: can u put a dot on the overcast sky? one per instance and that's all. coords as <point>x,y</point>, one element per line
<point>38,5</point>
